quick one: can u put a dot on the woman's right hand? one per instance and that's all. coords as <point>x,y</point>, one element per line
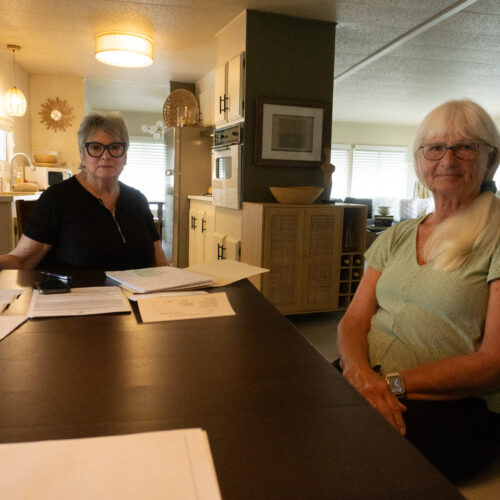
<point>375,390</point>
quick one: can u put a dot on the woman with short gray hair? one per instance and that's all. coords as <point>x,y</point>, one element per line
<point>92,220</point>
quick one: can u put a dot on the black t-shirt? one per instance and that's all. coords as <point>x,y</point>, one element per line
<point>84,233</point>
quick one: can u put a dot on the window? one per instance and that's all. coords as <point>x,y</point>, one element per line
<point>145,168</point>
<point>370,172</point>
<point>379,172</point>
<point>340,157</point>
<point>3,145</point>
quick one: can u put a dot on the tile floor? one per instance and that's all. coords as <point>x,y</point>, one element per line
<point>320,329</point>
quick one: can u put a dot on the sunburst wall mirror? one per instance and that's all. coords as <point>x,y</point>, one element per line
<point>56,114</point>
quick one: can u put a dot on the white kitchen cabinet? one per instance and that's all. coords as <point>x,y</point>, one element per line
<point>214,232</point>
<point>206,99</point>
<point>229,91</point>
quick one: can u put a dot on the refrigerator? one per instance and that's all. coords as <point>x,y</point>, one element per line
<point>188,172</point>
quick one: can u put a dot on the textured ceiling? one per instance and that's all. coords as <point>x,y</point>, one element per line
<point>457,57</point>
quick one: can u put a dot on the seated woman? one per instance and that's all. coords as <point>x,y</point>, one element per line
<point>421,339</point>
<point>91,221</point>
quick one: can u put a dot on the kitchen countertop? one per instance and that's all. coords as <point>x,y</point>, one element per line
<point>9,196</point>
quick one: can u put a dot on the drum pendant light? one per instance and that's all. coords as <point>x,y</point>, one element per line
<point>128,50</point>
<point>16,102</point>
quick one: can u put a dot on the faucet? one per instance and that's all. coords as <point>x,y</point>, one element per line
<point>12,167</point>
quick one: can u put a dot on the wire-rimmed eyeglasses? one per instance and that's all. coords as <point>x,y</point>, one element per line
<point>96,149</point>
<point>463,150</point>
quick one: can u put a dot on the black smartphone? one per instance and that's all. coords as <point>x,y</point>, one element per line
<point>53,285</point>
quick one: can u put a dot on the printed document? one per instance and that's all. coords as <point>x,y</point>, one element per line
<point>79,302</point>
<point>167,464</point>
<point>185,307</point>
<point>224,272</point>
<point>8,296</point>
<point>158,279</point>
<point>9,323</point>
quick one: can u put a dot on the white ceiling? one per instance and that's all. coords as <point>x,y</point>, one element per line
<point>457,57</point>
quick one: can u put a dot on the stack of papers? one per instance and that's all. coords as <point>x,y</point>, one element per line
<point>158,279</point>
<point>166,464</point>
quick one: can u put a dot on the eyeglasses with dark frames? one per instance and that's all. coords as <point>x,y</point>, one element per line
<point>96,149</point>
<point>463,150</point>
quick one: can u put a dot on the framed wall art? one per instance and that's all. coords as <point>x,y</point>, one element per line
<point>289,133</point>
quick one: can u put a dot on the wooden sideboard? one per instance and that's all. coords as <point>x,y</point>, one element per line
<point>314,253</point>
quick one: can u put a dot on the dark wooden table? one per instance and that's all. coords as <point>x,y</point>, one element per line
<point>282,423</point>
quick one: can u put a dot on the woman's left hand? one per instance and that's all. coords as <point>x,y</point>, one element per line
<point>374,389</point>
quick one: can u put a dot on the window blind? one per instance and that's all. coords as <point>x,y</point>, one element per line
<point>379,172</point>
<point>145,168</point>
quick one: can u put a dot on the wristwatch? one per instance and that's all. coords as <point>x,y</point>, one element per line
<point>396,384</point>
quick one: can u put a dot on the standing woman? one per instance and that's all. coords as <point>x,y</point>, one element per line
<point>421,339</point>
<point>92,220</point>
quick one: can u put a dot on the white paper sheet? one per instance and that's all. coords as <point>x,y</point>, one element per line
<point>187,307</point>
<point>8,296</point>
<point>173,464</point>
<point>224,272</point>
<point>9,323</point>
<point>155,295</point>
<point>79,302</point>
<point>158,279</point>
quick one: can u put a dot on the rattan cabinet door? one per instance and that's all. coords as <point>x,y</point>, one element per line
<point>282,253</point>
<point>321,252</point>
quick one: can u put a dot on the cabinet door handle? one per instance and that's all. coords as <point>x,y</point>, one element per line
<point>222,103</point>
<point>203,228</point>
<point>193,222</point>
<point>220,252</point>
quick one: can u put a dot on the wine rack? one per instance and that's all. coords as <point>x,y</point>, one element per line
<point>351,258</point>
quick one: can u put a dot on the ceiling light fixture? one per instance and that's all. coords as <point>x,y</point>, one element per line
<point>127,50</point>
<point>16,102</point>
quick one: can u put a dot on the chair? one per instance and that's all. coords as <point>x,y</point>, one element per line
<point>158,216</point>
<point>23,209</point>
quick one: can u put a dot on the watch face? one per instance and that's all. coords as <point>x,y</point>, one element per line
<point>396,384</point>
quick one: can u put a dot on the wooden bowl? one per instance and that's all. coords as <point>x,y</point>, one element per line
<point>45,158</point>
<point>296,195</point>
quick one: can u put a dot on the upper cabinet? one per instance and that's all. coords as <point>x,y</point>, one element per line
<point>230,91</point>
<point>229,95</point>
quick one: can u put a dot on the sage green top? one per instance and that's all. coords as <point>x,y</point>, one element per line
<point>425,315</point>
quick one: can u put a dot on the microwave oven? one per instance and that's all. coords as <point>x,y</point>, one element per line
<point>47,176</point>
<point>226,168</point>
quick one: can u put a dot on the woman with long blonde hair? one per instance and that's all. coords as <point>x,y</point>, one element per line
<point>421,339</point>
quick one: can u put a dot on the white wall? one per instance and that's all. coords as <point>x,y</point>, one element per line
<point>374,134</point>
<point>21,125</point>
<point>136,119</point>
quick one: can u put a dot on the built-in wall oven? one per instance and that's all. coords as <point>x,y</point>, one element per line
<point>226,167</point>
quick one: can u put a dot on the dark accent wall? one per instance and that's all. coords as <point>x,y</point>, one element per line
<point>289,58</point>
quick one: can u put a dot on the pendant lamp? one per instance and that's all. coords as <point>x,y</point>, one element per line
<point>16,102</point>
<point>128,50</point>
